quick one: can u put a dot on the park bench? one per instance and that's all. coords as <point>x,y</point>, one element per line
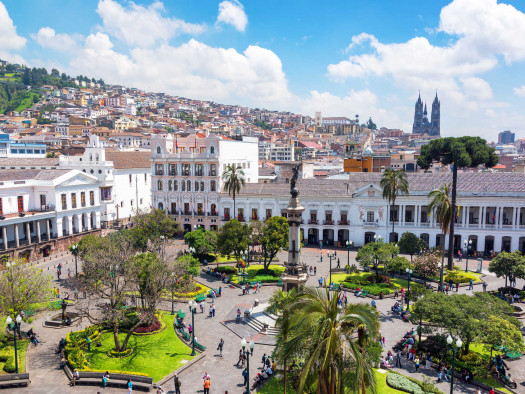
<point>200,347</point>
<point>200,298</point>
<point>337,287</point>
<point>364,293</point>
<point>181,314</point>
<point>280,282</point>
<point>144,383</point>
<point>14,379</point>
<point>510,355</point>
<point>29,312</point>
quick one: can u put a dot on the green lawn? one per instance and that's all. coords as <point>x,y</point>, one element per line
<point>252,273</point>
<point>360,280</point>
<point>26,102</point>
<point>381,386</point>
<point>156,355</point>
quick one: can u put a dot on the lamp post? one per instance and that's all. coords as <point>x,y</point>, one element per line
<point>441,266</point>
<point>248,353</point>
<point>349,244</point>
<point>74,250</point>
<point>453,348</point>
<point>172,295</point>
<point>14,327</point>
<point>468,245</point>
<point>331,256</point>
<point>193,310</point>
<point>409,273</point>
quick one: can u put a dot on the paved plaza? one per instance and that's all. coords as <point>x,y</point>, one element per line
<point>225,375</point>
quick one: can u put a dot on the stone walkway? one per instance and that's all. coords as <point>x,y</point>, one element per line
<point>225,375</point>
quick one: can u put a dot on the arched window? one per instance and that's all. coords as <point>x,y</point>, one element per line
<point>159,185</point>
<point>90,157</point>
<point>188,185</point>
<point>202,186</point>
<point>212,186</point>
<point>161,206</point>
<point>175,185</point>
<point>158,150</point>
<point>213,210</point>
<point>212,150</point>
<point>169,185</point>
<point>183,186</point>
<point>97,157</point>
<point>196,186</point>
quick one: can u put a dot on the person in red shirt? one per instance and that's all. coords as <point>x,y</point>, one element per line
<point>491,391</point>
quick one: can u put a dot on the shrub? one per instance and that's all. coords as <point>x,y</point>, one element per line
<point>114,354</point>
<point>226,269</point>
<point>374,289</point>
<point>459,276</point>
<point>265,278</point>
<point>9,365</point>
<point>6,353</point>
<point>402,383</point>
<point>154,326</point>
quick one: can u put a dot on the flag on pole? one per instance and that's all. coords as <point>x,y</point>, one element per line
<point>459,207</point>
<point>176,144</point>
<point>494,216</point>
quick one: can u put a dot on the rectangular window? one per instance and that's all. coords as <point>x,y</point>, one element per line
<point>187,208</point>
<point>268,214</point>
<point>370,216</point>
<point>1,208</point>
<point>145,178</point>
<point>159,185</point>
<point>130,203</point>
<point>73,200</point>
<point>105,193</point>
<point>20,203</point>
<point>83,199</point>
<point>254,214</point>
<point>64,202</point>
<point>141,201</point>
<point>240,214</point>
<point>173,208</point>
<point>91,197</point>
<point>130,179</point>
<point>226,213</point>
<point>42,201</point>
<point>200,210</point>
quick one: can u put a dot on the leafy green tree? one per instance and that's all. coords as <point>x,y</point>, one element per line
<point>459,152</point>
<point>145,267</point>
<point>501,332</point>
<point>462,315</point>
<point>394,183</point>
<point>192,264</point>
<point>426,265</point>
<point>370,124</point>
<point>155,225</point>
<point>234,179</point>
<point>374,254</point>
<point>324,334</point>
<point>201,240</point>
<point>273,237</point>
<point>22,285</point>
<point>509,265</point>
<point>280,303</point>
<point>234,238</point>
<point>399,264</point>
<point>26,78</point>
<point>411,244</point>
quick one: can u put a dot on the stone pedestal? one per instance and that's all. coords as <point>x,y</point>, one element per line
<point>295,274</point>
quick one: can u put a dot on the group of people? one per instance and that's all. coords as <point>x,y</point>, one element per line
<point>267,370</point>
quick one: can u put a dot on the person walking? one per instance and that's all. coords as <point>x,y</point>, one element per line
<point>190,329</point>
<point>484,287</point>
<point>471,285</point>
<point>264,360</point>
<point>338,263</point>
<point>457,287</point>
<point>213,310</point>
<point>416,363</point>
<point>428,362</point>
<point>219,348</point>
<point>177,383</point>
<point>220,291</point>
<point>130,386</point>
<point>202,306</point>
<point>245,375</point>
<point>315,270</point>
<point>398,360</point>
<point>240,358</point>
<point>207,384</point>
<point>320,281</point>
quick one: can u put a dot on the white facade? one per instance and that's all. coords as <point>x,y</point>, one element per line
<point>39,205</point>
<point>492,216</point>
<point>187,172</point>
<point>124,179</point>
<point>276,152</point>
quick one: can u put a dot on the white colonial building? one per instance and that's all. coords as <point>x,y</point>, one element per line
<point>39,207</point>
<point>491,213</point>
<point>187,170</point>
<point>124,179</point>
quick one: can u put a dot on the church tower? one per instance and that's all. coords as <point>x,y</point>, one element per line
<point>435,129</point>
<point>418,116</point>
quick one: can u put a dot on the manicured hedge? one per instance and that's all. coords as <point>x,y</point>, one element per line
<point>461,277</point>
<point>402,383</point>
<point>374,289</point>
<point>226,269</point>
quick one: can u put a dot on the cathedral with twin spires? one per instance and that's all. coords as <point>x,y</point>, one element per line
<point>421,123</point>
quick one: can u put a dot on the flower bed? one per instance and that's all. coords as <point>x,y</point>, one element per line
<point>461,277</point>
<point>257,273</point>
<point>226,269</point>
<point>410,385</point>
<point>368,281</point>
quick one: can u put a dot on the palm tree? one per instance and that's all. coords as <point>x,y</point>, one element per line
<point>280,305</point>
<point>442,205</point>
<point>393,183</point>
<point>234,180</point>
<point>324,334</point>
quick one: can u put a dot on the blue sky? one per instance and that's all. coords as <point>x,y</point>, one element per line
<point>340,57</point>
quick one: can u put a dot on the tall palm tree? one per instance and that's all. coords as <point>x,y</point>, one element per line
<point>324,334</point>
<point>394,183</point>
<point>234,179</point>
<point>280,305</point>
<point>442,205</point>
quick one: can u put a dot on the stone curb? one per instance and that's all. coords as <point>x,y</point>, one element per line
<point>178,371</point>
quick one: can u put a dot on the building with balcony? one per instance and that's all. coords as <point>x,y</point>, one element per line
<point>491,209</point>
<point>44,211</point>
<point>124,179</point>
<point>12,149</point>
<point>187,174</point>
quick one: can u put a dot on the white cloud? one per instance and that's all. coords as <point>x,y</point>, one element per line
<point>48,38</point>
<point>519,91</point>
<point>193,69</point>
<point>9,39</point>
<point>138,25</point>
<point>232,12</point>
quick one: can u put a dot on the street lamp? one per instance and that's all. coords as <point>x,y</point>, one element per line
<point>441,266</point>
<point>349,244</point>
<point>248,353</point>
<point>172,295</point>
<point>193,310</point>
<point>74,250</point>
<point>468,245</point>
<point>331,256</point>
<point>409,273</point>
<point>14,327</point>
<point>453,348</point>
